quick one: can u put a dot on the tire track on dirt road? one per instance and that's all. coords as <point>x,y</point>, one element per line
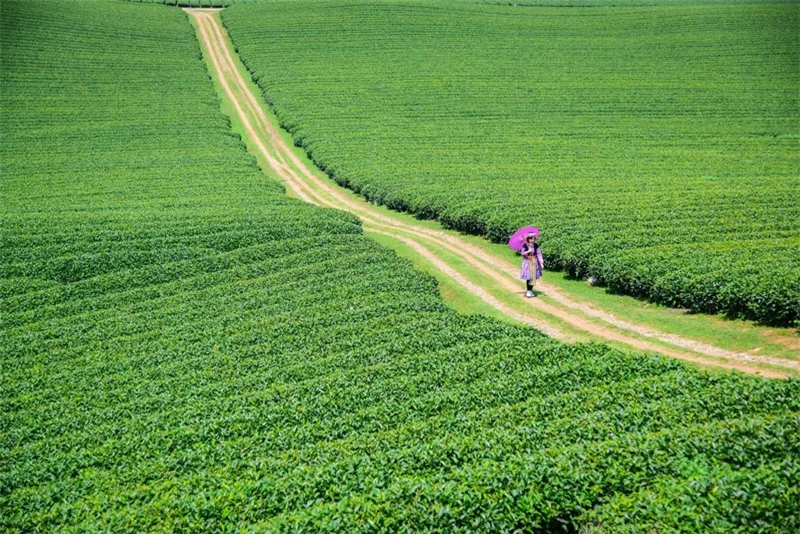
<point>499,273</point>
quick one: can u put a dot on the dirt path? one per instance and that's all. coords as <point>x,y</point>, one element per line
<point>546,313</point>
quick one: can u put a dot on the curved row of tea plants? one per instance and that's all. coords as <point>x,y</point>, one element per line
<point>185,348</point>
<point>656,147</point>
<point>197,3</point>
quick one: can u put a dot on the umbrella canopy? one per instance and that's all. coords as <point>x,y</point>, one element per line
<point>518,239</point>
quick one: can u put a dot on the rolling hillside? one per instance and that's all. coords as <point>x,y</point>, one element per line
<point>186,348</point>
<point>656,146</point>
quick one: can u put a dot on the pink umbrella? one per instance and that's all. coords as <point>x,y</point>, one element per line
<point>518,239</point>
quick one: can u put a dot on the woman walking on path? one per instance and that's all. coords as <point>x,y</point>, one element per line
<point>532,263</point>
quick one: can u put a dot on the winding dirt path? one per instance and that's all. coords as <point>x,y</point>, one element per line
<point>546,313</point>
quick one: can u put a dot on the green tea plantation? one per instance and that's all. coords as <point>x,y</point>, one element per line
<point>655,146</point>
<point>184,348</point>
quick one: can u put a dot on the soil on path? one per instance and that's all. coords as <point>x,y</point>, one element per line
<point>546,313</point>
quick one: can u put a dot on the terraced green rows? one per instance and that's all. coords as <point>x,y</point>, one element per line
<point>178,353</point>
<point>655,146</point>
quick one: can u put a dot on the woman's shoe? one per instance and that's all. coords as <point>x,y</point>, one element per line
<point>529,294</point>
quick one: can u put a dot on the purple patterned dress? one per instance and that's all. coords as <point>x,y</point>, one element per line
<point>525,272</point>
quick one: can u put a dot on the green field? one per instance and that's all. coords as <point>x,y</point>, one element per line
<point>183,347</point>
<point>656,147</point>
<point>532,3</point>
